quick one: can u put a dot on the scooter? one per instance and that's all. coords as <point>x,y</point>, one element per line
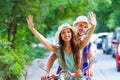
<point>64,75</point>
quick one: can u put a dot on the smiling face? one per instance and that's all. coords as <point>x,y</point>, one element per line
<point>82,27</point>
<point>66,35</point>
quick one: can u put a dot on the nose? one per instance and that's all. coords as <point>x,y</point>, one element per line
<point>81,28</point>
<point>66,33</point>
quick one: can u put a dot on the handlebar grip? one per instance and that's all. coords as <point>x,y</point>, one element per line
<point>77,74</point>
<point>53,76</point>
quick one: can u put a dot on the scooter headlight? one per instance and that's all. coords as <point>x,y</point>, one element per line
<point>64,75</point>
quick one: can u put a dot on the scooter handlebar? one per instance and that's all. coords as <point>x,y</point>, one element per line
<point>65,74</point>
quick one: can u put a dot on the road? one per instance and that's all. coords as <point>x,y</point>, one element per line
<point>105,68</point>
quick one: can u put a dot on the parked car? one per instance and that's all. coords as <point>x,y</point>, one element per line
<point>99,40</point>
<point>116,42</point>
<point>107,46</point>
<point>117,31</point>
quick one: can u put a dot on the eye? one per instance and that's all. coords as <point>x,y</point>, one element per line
<point>68,31</point>
<point>62,32</point>
<point>80,25</point>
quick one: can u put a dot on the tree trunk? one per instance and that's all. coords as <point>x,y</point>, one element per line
<point>12,26</point>
<point>9,31</point>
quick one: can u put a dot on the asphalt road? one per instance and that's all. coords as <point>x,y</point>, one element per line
<point>105,68</point>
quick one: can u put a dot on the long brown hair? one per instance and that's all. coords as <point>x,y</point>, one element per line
<point>75,51</point>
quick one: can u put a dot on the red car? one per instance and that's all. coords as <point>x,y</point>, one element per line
<point>116,42</point>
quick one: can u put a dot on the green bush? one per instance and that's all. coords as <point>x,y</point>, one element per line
<point>12,62</point>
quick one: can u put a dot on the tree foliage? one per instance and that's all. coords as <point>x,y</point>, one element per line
<point>11,62</point>
<point>114,19</point>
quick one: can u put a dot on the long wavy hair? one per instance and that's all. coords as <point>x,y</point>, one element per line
<point>75,51</point>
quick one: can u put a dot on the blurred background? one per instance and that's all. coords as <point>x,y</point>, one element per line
<point>19,47</point>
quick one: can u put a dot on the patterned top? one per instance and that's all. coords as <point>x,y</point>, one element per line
<point>84,57</point>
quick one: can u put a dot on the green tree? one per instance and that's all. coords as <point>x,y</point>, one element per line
<point>114,20</point>
<point>12,30</point>
<point>103,11</point>
<point>14,13</point>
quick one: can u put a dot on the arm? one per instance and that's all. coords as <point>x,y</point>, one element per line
<point>50,61</point>
<point>91,67</point>
<point>41,38</point>
<point>91,30</point>
<point>48,66</point>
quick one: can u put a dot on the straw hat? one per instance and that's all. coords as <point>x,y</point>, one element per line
<point>81,19</point>
<point>62,27</point>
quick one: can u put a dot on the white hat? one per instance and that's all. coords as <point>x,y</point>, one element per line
<point>81,19</point>
<point>62,27</point>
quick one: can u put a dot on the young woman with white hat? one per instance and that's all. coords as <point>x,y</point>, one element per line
<point>68,51</point>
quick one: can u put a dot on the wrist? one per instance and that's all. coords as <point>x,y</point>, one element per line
<point>93,60</point>
<point>31,28</point>
<point>47,70</point>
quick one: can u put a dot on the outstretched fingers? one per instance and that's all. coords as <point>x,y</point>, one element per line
<point>92,19</point>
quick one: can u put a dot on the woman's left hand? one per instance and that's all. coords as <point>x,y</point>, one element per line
<point>30,22</point>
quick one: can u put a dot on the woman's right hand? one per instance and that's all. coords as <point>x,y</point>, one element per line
<point>44,76</point>
<point>30,22</point>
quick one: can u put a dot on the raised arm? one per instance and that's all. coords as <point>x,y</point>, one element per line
<point>41,38</point>
<point>91,30</point>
